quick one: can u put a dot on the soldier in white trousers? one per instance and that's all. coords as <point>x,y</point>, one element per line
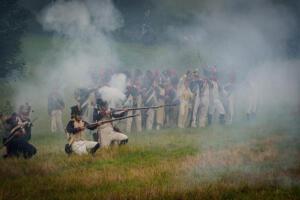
<point>185,96</point>
<point>160,112</point>
<point>150,100</point>
<point>229,98</point>
<point>76,136</point>
<point>107,133</point>
<point>215,103</point>
<point>55,108</point>
<point>133,100</point>
<point>200,90</point>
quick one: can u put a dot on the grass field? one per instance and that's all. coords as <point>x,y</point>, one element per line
<point>245,161</point>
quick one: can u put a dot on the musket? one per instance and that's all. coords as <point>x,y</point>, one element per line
<point>110,120</point>
<point>144,108</point>
<point>14,130</point>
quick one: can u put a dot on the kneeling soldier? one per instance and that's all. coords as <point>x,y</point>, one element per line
<point>106,132</point>
<point>75,129</point>
<point>15,138</point>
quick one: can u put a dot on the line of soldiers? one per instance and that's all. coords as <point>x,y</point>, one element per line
<point>195,100</point>
<point>200,97</point>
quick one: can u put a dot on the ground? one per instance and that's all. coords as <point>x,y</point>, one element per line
<point>245,161</point>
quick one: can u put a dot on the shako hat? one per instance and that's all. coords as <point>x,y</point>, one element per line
<point>75,111</point>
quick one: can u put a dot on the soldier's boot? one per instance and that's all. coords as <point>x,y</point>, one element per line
<point>122,142</point>
<point>68,149</point>
<point>29,151</point>
<point>222,119</point>
<point>5,156</point>
<point>95,148</point>
<point>209,119</point>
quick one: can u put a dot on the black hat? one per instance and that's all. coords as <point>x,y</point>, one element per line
<point>75,111</point>
<point>101,103</point>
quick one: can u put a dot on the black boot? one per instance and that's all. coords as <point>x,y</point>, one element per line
<point>94,149</point>
<point>68,149</point>
<point>209,119</point>
<point>222,119</point>
<point>124,142</point>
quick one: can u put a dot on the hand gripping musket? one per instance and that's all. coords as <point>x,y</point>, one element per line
<point>144,108</point>
<point>13,131</point>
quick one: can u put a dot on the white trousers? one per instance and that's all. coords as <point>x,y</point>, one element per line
<point>137,120</point>
<point>150,119</point>
<point>56,121</point>
<point>183,113</point>
<point>230,109</point>
<point>108,135</point>
<point>83,146</point>
<point>216,105</point>
<point>160,116</point>
<point>200,109</point>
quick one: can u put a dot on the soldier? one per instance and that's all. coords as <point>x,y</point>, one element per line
<point>76,138</point>
<point>200,89</point>
<point>107,133</point>
<point>133,100</point>
<point>185,96</point>
<point>160,96</point>
<point>149,99</point>
<point>229,98</point>
<point>15,137</point>
<point>215,104</point>
<point>56,106</point>
<point>170,98</point>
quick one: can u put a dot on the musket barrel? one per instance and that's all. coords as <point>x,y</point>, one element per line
<point>144,108</point>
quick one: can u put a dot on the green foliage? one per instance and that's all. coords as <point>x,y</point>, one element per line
<point>12,26</point>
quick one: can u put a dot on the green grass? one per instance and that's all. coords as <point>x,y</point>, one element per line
<point>238,162</point>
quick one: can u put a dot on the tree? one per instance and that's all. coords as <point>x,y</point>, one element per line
<point>13,21</point>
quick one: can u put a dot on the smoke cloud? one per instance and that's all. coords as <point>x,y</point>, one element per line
<point>83,46</point>
<point>114,93</point>
<point>248,38</point>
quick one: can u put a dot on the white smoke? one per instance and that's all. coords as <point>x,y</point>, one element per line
<point>81,46</point>
<point>114,93</point>
<point>113,96</point>
<point>86,26</point>
<point>118,81</point>
<point>248,38</point>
